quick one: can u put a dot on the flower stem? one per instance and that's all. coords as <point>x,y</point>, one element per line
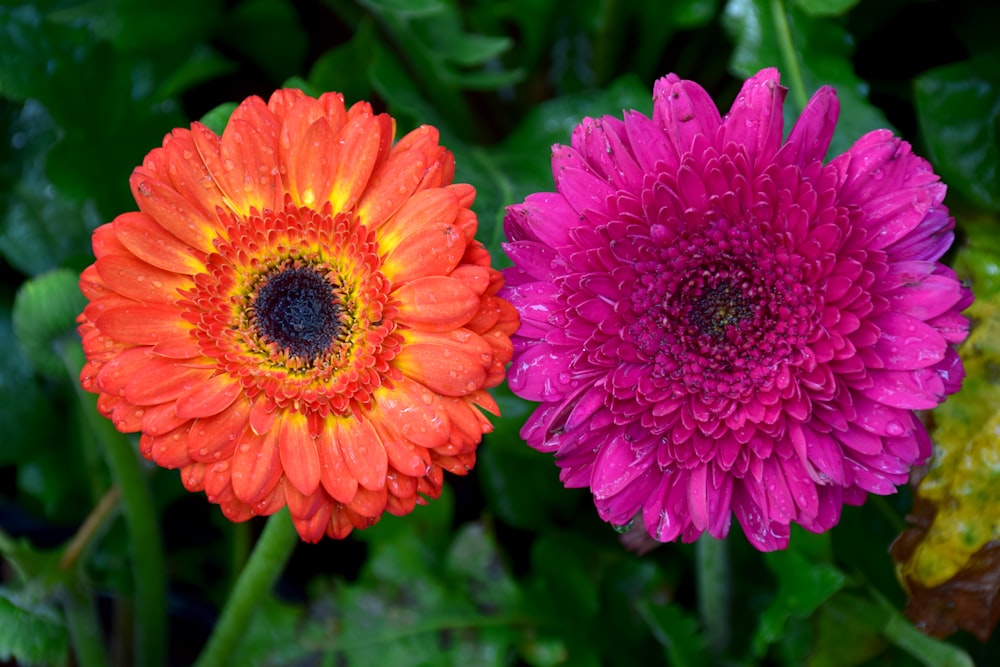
<point>84,629</point>
<point>148,565</point>
<point>713,579</point>
<point>788,54</point>
<point>266,563</point>
<point>85,534</point>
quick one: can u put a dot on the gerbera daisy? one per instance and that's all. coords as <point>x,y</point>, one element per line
<point>715,322</point>
<point>299,314</point>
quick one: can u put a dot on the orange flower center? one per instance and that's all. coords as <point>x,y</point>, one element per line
<point>294,304</point>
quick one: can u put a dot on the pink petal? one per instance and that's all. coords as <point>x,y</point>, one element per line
<point>755,121</point>
<point>683,110</point>
<point>914,390</point>
<point>810,137</point>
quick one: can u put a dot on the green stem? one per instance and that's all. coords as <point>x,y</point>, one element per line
<point>148,565</point>
<point>84,630</point>
<point>788,53</point>
<point>264,567</point>
<point>713,578</point>
<point>85,534</point>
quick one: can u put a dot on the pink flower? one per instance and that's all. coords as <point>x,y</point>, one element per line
<point>715,322</point>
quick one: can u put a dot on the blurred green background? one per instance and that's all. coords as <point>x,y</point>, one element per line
<point>507,568</point>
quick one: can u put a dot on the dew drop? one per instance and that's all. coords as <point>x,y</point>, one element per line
<point>894,428</point>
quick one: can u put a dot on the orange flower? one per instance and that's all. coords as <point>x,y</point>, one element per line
<point>299,314</point>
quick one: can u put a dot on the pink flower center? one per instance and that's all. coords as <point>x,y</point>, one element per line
<point>719,308</point>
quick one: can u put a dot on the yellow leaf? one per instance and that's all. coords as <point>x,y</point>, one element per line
<point>963,482</point>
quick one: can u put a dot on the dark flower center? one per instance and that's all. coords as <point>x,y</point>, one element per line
<point>719,307</point>
<point>298,310</point>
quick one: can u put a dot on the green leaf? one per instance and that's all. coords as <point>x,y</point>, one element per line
<point>338,69</point>
<point>31,632</point>
<point>27,416</point>
<point>268,32</point>
<point>522,164</point>
<point>803,585</point>
<point>678,632</point>
<point>826,7</point>
<point>824,49</point>
<point>849,632</point>
<point>45,312</point>
<point>475,559</point>
<point>40,228</point>
<point>216,119</point>
<point>958,107</point>
<point>407,8</point>
<point>928,651</point>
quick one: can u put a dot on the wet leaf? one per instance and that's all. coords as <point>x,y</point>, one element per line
<point>32,632</point>
<point>946,560</point>
<point>678,632</point>
<point>958,107</point>
<point>803,585</point>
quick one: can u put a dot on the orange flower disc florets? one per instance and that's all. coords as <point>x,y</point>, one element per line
<point>299,314</point>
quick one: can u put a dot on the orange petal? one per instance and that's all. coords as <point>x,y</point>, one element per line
<point>435,303</point>
<point>273,502</point>
<point>362,451</point>
<point>476,278</point>
<point>406,457</point>
<point>414,412</point>
<point>369,504</point>
<point>218,488</point>
<point>168,450</point>
<point>283,100</point>
<point>127,417</point>
<point>445,369</point>
<point>359,143</point>
<point>193,476</point>
<point>299,456</point>
<point>130,276</point>
<point>311,514</point>
<point>466,420</point>
<point>161,380</point>
<point>152,243</point>
<point>401,487</point>
<point>176,214</point>
<point>418,212</point>
<point>393,183</point>
<point>333,106</point>
<point>120,370</point>
<point>256,465</point>
<point>334,474</point>
<point>262,415</point>
<point>209,398</point>
<point>297,116</point>
<point>340,525</point>
<point>142,323</point>
<point>236,510</point>
<point>250,176</point>
<point>182,347</point>
<point>401,506</point>
<point>105,240</point>
<point>214,438</point>
<point>188,174</point>
<point>436,249</point>
<point>310,165</point>
<point>160,419</point>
